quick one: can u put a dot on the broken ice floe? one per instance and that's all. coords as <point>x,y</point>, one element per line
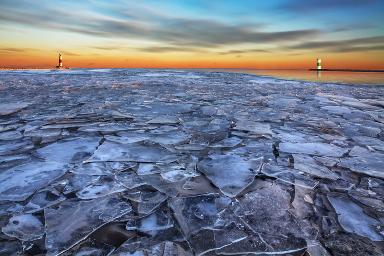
<point>369,164</point>
<point>353,219</point>
<point>230,173</point>
<point>308,165</point>
<point>318,149</point>
<point>69,151</point>
<point>10,108</point>
<point>254,127</point>
<point>102,187</point>
<point>73,220</point>
<point>24,227</point>
<point>20,182</point>
<point>42,199</point>
<point>133,152</point>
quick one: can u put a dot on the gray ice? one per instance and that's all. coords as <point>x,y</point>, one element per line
<point>353,219</point>
<point>25,227</point>
<point>230,173</point>
<point>318,149</point>
<point>69,151</point>
<point>133,152</point>
<point>19,182</point>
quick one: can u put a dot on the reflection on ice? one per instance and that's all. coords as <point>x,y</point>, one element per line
<point>134,152</point>
<point>18,183</point>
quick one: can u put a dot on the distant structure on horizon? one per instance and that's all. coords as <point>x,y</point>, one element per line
<point>318,64</point>
<point>60,61</point>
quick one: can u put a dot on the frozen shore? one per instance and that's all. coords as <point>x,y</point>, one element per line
<point>172,162</point>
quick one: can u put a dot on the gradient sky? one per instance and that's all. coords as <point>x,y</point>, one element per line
<point>192,33</point>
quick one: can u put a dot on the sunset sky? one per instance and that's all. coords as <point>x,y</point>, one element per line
<point>192,33</point>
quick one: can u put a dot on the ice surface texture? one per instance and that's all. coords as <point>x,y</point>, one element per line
<point>175,162</point>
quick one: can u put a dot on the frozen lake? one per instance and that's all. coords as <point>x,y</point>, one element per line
<point>343,77</point>
<point>184,162</point>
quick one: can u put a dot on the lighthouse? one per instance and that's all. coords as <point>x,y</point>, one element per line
<point>60,61</point>
<point>318,64</point>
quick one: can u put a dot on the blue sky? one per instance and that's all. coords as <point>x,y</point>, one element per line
<point>187,28</point>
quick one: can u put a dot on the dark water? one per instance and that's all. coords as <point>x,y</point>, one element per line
<point>370,78</point>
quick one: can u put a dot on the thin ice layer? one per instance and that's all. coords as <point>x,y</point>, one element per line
<point>69,151</point>
<point>75,220</point>
<point>318,149</point>
<point>134,152</point>
<point>353,219</point>
<point>230,173</point>
<point>19,182</point>
<point>24,227</point>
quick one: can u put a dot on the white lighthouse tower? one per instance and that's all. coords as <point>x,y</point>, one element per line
<point>318,64</point>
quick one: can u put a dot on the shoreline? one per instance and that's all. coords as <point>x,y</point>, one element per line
<point>301,74</point>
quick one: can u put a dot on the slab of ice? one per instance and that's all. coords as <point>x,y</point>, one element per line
<point>44,134</point>
<point>369,141</point>
<point>160,220</point>
<point>319,149</point>
<point>367,198</point>
<point>20,182</point>
<point>103,187</point>
<point>10,248</point>
<point>178,175</point>
<point>129,179</point>
<point>127,138</point>
<point>164,120</point>
<point>170,138</point>
<point>353,219</point>
<point>258,245</point>
<point>10,108</point>
<point>254,127</point>
<point>338,110</point>
<point>230,173</point>
<point>198,212</point>
<point>97,168</point>
<point>75,182</point>
<point>11,135</point>
<point>69,151</point>
<point>24,227</point>
<point>359,105</point>
<point>265,210</point>
<point>210,241</point>
<point>285,174</point>
<point>292,136</point>
<point>147,201</point>
<point>106,128</point>
<point>370,164</point>
<point>162,249</point>
<point>308,165</point>
<point>74,220</point>
<point>10,147</point>
<point>134,152</point>
<point>227,143</point>
<point>146,169</point>
<point>12,158</point>
<point>43,199</point>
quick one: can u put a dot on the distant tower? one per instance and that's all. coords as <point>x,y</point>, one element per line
<point>60,61</point>
<point>318,64</point>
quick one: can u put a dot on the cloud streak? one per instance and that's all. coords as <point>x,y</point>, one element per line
<point>168,30</point>
<point>349,45</point>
